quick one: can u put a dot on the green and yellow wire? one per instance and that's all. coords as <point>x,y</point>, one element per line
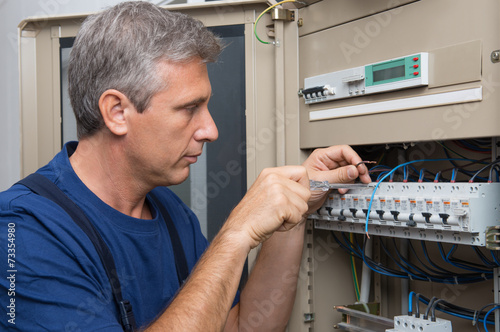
<point>258,18</point>
<point>354,274</point>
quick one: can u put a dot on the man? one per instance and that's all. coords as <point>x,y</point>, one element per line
<point>139,88</point>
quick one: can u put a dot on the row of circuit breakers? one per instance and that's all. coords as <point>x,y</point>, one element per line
<point>467,213</point>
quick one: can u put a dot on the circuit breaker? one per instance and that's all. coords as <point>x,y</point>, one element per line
<point>459,213</point>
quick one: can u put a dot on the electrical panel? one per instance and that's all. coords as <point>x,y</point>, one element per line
<point>447,212</point>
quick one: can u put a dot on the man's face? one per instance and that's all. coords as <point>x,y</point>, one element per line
<point>169,136</point>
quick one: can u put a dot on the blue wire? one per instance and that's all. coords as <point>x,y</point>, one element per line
<point>409,275</point>
<point>345,247</point>
<point>363,257</point>
<point>462,266</point>
<point>494,258</point>
<point>392,177</point>
<point>425,266</point>
<point>446,257</point>
<point>350,244</point>
<point>424,249</point>
<point>438,174</point>
<point>413,168</point>
<point>410,302</point>
<point>421,175</point>
<point>486,317</point>
<point>381,174</point>
<point>474,147</point>
<point>469,173</point>
<point>486,261</point>
<point>481,320</point>
<point>459,316</point>
<point>381,271</point>
<point>414,276</point>
<point>356,250</point>
<point>448,279</point>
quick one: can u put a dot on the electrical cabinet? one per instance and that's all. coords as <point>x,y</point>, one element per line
<point>395,79</point>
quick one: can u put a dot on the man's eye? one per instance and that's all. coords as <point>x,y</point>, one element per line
<point>192,108</point>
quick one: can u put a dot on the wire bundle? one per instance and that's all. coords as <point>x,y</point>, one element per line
<point>426,269</point>
<point>429,270</point>
<point>411,174</point>
<point>459,148</point>
<point>481,146</point>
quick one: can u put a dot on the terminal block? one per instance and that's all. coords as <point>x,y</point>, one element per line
<point>445,212</point>
<point>317,93</point>
<point>413,324</point>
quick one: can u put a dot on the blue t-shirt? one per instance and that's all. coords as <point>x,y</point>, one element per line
<point>55,280</point>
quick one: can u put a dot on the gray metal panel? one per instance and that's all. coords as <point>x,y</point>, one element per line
<point>459,38</point>
<point>329,13</point>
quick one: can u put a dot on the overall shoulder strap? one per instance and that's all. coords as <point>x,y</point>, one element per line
<point>179,256</point>
<point>42,186</point>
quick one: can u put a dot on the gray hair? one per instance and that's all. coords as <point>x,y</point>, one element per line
<point>120,49</point>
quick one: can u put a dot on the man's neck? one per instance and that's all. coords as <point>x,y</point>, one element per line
<point>100,165</point>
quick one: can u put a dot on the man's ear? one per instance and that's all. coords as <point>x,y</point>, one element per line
<point>113,105</point>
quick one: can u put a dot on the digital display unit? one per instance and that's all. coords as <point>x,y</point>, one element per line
<point>394,74</point>
<point>388,73</point>
<point>396,70</point>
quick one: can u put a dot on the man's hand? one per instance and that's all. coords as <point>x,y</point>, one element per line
<point>336,164</point>
<point>280,197</point>
<point>277,201</point>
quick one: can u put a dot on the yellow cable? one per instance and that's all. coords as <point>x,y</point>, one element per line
<point>355,274</point>
<point>265,11</point>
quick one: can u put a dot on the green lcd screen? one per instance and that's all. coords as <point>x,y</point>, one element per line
<point>388,73</point>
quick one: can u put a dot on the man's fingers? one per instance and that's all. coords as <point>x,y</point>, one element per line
<point>332,157</point>
<point>364,175</point>
<point>346,174</point>
<point>287,186</point>
<point>295,173</point>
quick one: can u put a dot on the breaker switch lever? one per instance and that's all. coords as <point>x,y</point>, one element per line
<point>445,217</point>
<point>411,222</point>
<point>342,217</point>
<point>395,215</point>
